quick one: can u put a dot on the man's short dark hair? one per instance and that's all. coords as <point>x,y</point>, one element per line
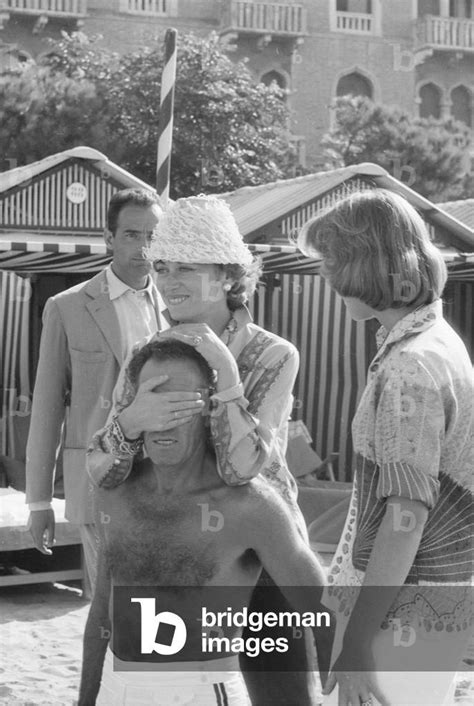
<point>126,197</point>
<point>169,349</point>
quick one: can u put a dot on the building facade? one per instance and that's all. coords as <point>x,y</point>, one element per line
<point>416,54</point>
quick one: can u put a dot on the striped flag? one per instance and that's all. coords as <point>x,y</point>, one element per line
<point>165,137</point>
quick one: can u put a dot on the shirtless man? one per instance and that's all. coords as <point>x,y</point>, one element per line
<point>152,534</point>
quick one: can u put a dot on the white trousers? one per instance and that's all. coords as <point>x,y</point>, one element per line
<point>179,687</point>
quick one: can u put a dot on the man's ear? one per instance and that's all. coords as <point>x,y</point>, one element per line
<point>109,239</point>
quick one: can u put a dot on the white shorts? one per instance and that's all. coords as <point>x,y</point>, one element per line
<point>201,687</point>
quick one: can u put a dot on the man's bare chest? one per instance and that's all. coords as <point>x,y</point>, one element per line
<point>164,541</point>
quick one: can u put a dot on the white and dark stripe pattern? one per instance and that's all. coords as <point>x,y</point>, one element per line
<point>403,480</point>
<point>335,353</point>
<point>15,296</point>
<point>459,307</point>
<point>445,553</point>
<point>165,136</point>
<point>44,247</point>
<point>221,694</point>
<point>43,203</point>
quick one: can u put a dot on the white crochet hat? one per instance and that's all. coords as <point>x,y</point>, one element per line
<point>199,229</point>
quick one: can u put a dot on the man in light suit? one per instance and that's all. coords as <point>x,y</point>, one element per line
<point>88,331</point>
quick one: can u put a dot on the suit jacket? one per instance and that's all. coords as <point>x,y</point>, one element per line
<point>79,362</point>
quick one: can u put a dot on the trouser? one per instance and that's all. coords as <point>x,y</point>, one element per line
<point>266,684</point>
<point>90,542</point>
<point>214,683</point>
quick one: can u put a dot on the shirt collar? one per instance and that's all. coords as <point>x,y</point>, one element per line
<point>117,287</point>
<point>416,321</point>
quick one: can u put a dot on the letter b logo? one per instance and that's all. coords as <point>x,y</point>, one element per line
<point>211,520</point>
<point>404,635</point>
<point>403,520</point>
<point>167,627</point>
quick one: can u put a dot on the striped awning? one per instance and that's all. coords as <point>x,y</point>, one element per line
<point>88,254</point>
<point>35,254</point>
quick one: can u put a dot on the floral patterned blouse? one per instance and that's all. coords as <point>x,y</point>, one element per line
<point>250,430</point>
<point>413,437</point>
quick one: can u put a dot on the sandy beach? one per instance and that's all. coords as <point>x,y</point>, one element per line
<point>41,647</point>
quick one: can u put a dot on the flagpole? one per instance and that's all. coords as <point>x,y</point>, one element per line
<point>165,134</point>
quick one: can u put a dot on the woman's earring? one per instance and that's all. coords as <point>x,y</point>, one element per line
<point>226,287</point>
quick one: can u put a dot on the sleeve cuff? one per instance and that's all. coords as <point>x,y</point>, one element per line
<point>405,481</point>
<point>40,505</point>
<point>232,393</point>
<point>117,444</point>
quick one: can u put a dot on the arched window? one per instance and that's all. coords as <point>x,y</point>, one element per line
<point>354,84</point>
<point>430,101</point>
<point>461,105</point>
<point>272,76</point>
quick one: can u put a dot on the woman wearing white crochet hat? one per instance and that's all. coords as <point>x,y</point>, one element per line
<point>205,274</point>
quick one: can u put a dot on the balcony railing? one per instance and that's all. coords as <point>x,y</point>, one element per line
<point>156,8</point>
<point>354,22</point>
<point>264,18</point>
<point>49,8</point>
<point>446,32</point>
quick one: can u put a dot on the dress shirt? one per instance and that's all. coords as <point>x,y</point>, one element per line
<point>135,311</point>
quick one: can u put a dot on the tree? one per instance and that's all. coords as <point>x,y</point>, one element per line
<point>428,154</point>
<point>229,130</point>
<point>41,114</point>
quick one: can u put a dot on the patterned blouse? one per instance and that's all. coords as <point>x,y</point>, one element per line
<point>413,437</point>
<point>250,430</point>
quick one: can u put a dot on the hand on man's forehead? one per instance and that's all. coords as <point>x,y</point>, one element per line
<point>182,375</point>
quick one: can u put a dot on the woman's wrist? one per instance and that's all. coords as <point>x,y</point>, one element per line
<point>125,421</point>
<point>356,655</point>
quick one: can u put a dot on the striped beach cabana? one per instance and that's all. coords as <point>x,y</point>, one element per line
<point>52,216</point>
